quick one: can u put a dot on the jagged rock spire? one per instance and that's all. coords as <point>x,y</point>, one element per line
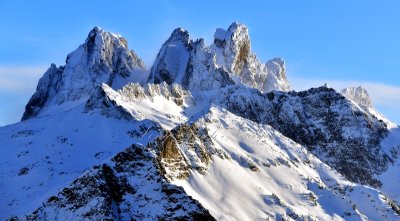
<point>232,48</point>
<point>188,62</point>
<point>235,46</point>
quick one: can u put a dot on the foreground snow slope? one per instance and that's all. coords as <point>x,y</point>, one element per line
<point>129,186</point>
<point>41,155</point>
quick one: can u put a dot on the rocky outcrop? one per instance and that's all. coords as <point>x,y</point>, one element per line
<point>103,58</point>
<point>133,92</point>
<point>276,77</point>
<point>183,149</point>
<point>232,48</point>
<point>105,99</point>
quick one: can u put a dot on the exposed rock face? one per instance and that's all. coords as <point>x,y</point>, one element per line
<point>106,100</point>
<point>119,190</point>
<point>103,58</point>
<point>134,91</point>
<point>359,95</point>
<point>184,148</point>
<point>48,85</point>
<point>229,60</point>
<point>232,48</point>
<point>322,119</point>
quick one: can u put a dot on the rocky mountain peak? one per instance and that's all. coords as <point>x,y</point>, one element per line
<point>228,60</point>
<point>235,45</point>
<point>103,58</point>
<point>180,34</point>
<point>172,59</point>
<point>359,95</point>
<point>232,48</point>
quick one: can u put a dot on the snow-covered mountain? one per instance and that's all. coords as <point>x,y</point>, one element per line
<point>103,58</point>
<point>208,133</point>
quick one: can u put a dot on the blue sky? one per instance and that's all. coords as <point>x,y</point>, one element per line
<point>340,42</point>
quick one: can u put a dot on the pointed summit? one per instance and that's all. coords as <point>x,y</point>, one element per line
<point>172,59</point>
<point>180,34</point>
<point>103,58</point>
<point>359,95</point>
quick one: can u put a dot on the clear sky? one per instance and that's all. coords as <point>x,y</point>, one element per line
<point>340,42</point>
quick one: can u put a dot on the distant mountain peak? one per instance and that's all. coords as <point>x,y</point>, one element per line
<point>359,95</point>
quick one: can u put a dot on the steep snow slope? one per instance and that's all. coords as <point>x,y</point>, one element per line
<point>160,103</point>
<point>339,132</point>
<point>391,177</point>
<point>263,175</point>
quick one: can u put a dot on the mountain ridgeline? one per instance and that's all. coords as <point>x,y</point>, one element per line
<point>208,132</point>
